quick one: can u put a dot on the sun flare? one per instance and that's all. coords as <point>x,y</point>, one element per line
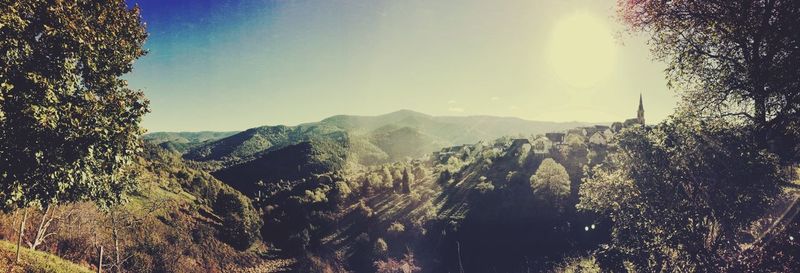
<point>581,50</point>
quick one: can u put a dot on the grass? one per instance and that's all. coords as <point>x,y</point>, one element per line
<point>35,261</point>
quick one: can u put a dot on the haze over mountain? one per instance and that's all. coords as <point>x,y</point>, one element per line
<point>372,139</point>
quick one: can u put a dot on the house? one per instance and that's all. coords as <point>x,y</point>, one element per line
<point>518,145</point>
<point>608,134</point>
<point>555,137</point>
<point>598,139</point>
<point>589,131</point>
<point>541,145</point>
<point>574,139</point>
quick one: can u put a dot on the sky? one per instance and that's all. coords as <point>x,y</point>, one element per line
<point>235,64</point>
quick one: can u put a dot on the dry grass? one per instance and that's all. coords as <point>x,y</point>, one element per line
<point>35,261</point>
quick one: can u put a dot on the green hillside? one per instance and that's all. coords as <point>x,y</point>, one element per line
<point>36,261</point>
<point>182,141</point>
<point>249,143</point>
<point>292,162</point>
<point>185,137</point>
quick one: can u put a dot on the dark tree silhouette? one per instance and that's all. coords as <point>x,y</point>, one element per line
<point>733,58</point>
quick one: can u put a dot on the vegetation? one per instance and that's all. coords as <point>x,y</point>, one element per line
<point>69,125</point>
<point>713,188</point>
<point>731,59</point>
<point>169,224</point>
<point>36,261</point>
<point>692,195</point>
<point>241,223</point>
<point>551,182</point>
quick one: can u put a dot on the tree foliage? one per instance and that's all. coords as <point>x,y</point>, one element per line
<point>241,223</point>
<point>551,181</point>
<point>680,195</point>
<point>405,265</point>
<point>733,58</point>
<point>68,122</point>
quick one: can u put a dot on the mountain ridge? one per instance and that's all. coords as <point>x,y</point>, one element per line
<point>151,134</point>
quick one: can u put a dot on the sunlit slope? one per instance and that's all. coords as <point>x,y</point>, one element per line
<point>36,261</point>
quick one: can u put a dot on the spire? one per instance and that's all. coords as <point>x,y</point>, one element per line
<point>640,113</point>
<point>641,105</point>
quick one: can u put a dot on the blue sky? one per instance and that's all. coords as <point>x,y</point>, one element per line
<point>236,64</point>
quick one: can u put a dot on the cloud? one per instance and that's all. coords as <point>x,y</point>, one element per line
<point>513,107</point>
<point>455,109</point>
<point>451,102</point>
<point>495,98</point>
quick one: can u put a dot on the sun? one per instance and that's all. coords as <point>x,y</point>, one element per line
<point>581,50</point>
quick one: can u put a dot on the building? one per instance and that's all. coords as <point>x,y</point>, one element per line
<point>555,137</point>
<point>639,120</point>
<point>542,145</point>
<point>597,139</point>
<point>519,146</point>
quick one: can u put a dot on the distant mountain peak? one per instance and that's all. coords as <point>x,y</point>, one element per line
<point>407,112</point>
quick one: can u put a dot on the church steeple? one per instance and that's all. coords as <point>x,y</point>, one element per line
<point>640,113</point>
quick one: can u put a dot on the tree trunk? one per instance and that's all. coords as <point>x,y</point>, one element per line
<point>115,235</point>
<point>760,110</point>
<point>460,265</point>
<point>21,233</point>
<point>761,120</point>
<point>41,232</point>
<point>100,261</point>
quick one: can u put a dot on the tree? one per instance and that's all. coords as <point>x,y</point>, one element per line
<point>551,181</point>
<point>397,181</point>
<point>681,195</point>
<point>408,178</point>
<point>387,175</point>
<point>734,58</point>
<point>69,125</point>
<point>374,183</point>
<point>241,223</point>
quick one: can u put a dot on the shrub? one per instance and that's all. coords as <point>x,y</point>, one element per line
<point>381,247</point>
<point>396,228</point>
<point>484,187</point>
<point>405,265</point>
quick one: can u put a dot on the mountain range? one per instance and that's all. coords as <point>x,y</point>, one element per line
<point>250,155</point>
